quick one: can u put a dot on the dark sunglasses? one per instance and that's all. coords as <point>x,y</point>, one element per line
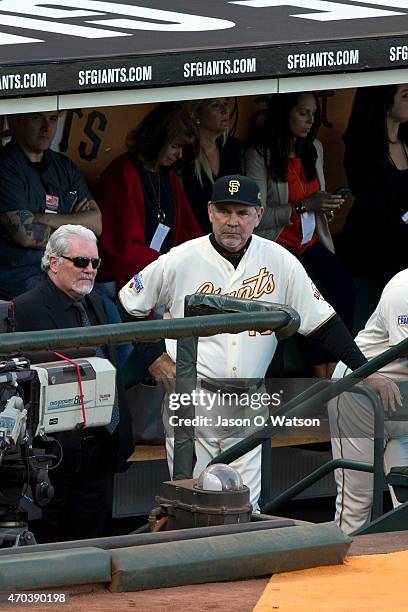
<point>83,262</point>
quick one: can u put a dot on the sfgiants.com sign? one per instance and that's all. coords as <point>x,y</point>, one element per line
<point>98,19</point>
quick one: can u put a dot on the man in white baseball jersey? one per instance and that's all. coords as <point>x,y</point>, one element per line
<point>235,262</point>
<point>351,415</point>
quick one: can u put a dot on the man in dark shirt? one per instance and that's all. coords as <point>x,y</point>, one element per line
<point>39,191</point>
<point>65,298</point>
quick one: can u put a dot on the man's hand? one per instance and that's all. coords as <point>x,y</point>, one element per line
<point>164,369</point>
<point>387,390</point>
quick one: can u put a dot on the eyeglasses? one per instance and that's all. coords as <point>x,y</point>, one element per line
<point>83,262</point>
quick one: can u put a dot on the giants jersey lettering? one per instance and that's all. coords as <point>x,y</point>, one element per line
<point>253,288</point>
<point>267,271</point>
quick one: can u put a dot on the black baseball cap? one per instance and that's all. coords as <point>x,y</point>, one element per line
<point>236,189</point>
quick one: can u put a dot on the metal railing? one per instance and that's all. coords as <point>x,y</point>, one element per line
<point>316,396</point>
<point>320,393</point>
<point>376,467</point>
<point>118,333</point>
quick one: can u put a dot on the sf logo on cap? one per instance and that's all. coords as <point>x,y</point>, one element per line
<point>233,186</point>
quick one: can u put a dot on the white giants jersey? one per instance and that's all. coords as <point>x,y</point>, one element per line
<point>387,326</point>
<point>266,272</point>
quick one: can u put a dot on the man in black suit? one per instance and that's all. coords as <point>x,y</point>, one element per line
<point>65,298</point>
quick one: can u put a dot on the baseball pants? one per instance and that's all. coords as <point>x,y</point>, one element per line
<point>351,421</point>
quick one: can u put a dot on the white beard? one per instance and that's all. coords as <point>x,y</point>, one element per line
<point>83,289</point>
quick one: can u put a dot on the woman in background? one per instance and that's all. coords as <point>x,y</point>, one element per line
<point>219,155</point>
<point>144,209</point>
<point>287,163</point>
<point>375,236</point>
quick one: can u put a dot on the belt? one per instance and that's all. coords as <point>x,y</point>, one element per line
<point>210,386</point>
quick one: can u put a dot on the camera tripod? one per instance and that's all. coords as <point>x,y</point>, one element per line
<point>14,531</point>
<point>17,472</point>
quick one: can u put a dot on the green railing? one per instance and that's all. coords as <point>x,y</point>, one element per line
<point>318,394</point>
<point>305,404</point>
<point>118,333</point>
<point>270,505</point>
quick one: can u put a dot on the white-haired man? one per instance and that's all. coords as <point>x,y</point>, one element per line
<point>65,298</point>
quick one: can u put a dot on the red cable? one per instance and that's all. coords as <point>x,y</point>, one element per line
<point>81,393</point>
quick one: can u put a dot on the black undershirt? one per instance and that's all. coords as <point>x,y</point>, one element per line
<point>66,303</point>
<point>336,339</point>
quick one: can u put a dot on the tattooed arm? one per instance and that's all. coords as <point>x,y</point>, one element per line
<point>24,228</point>
<point>33,229</point>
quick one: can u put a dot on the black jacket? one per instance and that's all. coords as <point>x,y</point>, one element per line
<point>374,239</point>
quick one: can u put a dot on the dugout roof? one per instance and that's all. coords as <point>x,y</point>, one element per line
<point>77,46</point>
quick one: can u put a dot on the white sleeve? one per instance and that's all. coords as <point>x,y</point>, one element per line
<point>320,164</point>
<point>256,169</point>
<point>148,289</point>
<point>394,310</point>
<point>306,299</point>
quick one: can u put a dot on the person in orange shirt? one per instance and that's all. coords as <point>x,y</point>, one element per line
<point>287,164</point>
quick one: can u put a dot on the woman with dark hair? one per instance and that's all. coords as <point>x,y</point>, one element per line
<point>287,163</point>
<point>144,209</point>
<point>219,155</point>
<point>376,164</point>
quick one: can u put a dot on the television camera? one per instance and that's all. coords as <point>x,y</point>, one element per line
<point>37,401</point>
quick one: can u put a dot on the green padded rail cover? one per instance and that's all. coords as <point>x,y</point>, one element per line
<point>54,568</point>
<point>229,557</point>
